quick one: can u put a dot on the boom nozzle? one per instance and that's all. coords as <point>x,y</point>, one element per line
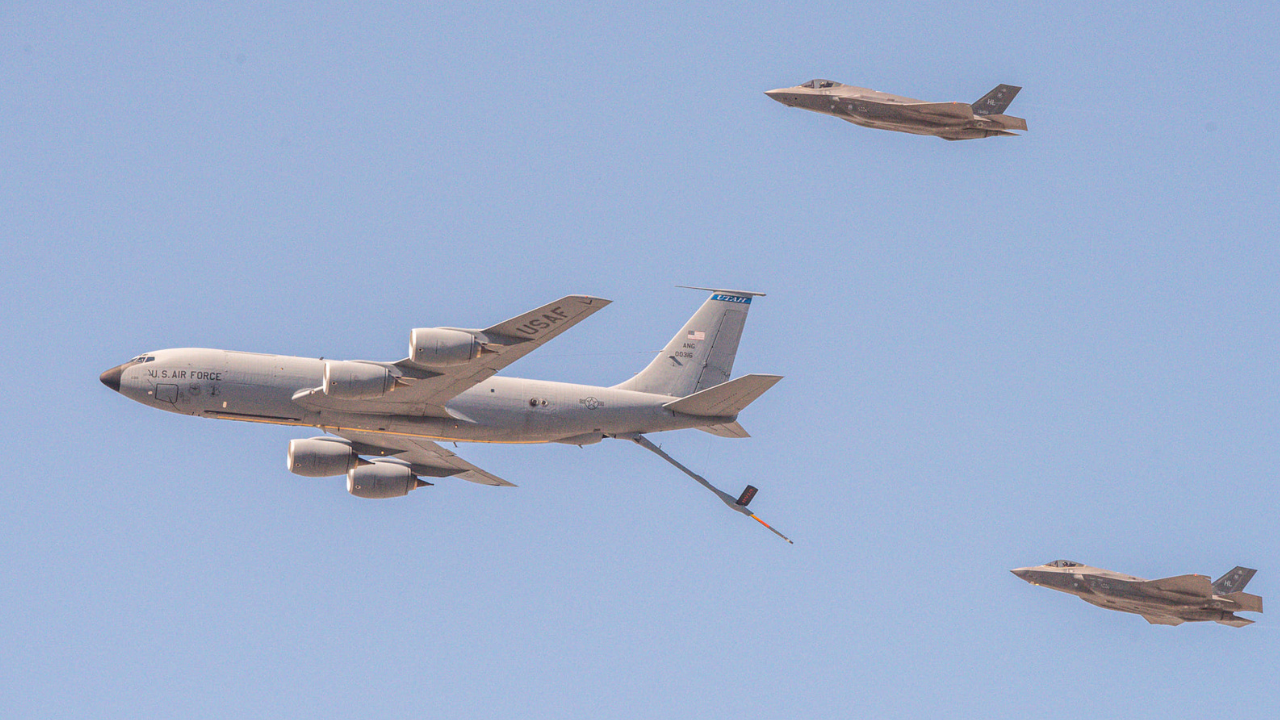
<point>775,532</point>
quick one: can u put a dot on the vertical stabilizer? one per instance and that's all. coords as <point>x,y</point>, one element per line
<point>996,101</point>
<point>701,354</point>
<point>1233,581</point>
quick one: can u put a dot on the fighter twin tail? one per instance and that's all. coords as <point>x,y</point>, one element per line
<point>384,418</point>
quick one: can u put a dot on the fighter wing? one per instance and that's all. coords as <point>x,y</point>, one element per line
<point>1197,585</point>
<point>957,110</point>
<point>1162,620</point>
<point>503,344</point>
<point>424,457</point>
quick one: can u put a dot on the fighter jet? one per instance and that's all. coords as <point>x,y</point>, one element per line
<point>874,109</point>
<point>388,416</point>
<point>1168,601</point>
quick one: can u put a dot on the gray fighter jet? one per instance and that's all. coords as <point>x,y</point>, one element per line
<point>388,415</point>
<point>1168,601</point>
<point>874,109</point>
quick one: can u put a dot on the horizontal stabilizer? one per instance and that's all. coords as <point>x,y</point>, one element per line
<point>1197,585</point>
<point>726,399</point>
<point>727,430</point>
<point>1009,122</point>
<point>1234,621</point>
<point>1234,580</point>
<point>1162,620</point>
<point>1247,602</point>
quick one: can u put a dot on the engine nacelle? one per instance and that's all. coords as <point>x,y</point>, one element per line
<point>379,480</point>
<point>441,346</point>
<point>320,457</point>
<point>346,380</point>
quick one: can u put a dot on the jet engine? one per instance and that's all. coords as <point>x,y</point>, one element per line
<point>379,480</point>
<point>347,380</point>
<point>442,346</point>
<point>320,457</point>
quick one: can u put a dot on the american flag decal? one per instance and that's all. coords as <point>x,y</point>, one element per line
<point>697,335</point>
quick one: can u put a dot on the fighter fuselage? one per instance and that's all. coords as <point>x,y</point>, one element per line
<point>1126,593</point>
<point>875,109</point>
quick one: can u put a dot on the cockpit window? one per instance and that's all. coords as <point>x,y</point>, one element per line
<point>143,359</point>
<point>1064,563</point>
<point>819,84</point>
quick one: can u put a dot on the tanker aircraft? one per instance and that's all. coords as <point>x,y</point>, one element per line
<point>387,416</point>
<point>1168,601</point>
<point>875,109</point>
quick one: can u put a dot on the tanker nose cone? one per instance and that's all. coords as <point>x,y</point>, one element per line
<point>111,378</point>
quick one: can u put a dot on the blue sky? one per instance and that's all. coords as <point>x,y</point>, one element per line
<point>997,353</point>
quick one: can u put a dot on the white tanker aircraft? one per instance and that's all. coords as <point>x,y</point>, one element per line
<point>386,416</point>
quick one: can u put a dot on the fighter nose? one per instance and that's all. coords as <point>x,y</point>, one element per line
<point>111,378</point>
<point>779,95</point>
<point>1021,572</point>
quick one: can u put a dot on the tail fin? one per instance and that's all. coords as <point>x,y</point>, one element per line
<point>996,101</point>
<point>701,354</point>
<point>1233,581</point>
